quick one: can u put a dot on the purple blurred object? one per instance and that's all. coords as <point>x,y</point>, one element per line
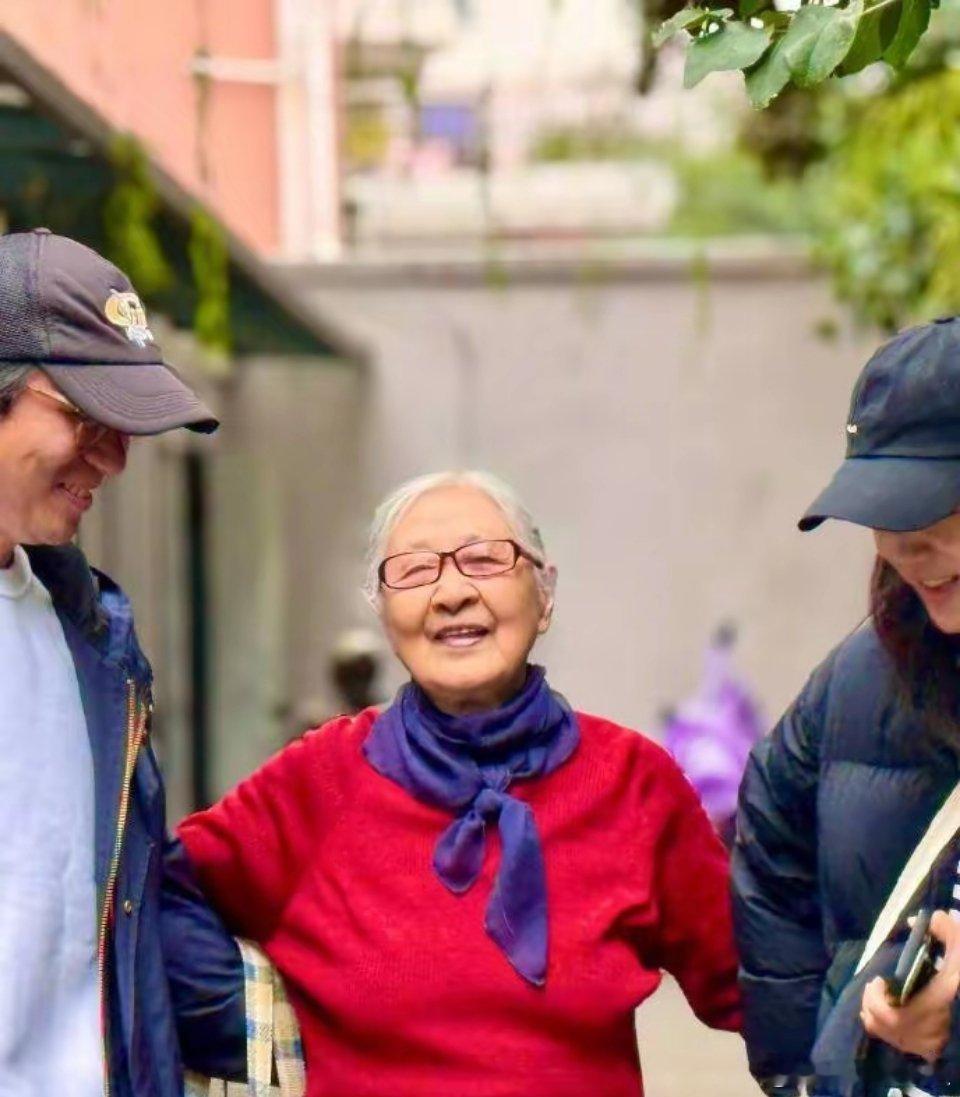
<point>710,734</point>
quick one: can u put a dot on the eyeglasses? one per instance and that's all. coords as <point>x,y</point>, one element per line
<point>477,560</point>
<point>89,432</point>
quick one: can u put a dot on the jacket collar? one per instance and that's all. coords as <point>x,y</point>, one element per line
<point>64,571</point>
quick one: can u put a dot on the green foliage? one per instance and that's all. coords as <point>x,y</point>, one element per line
<point>654,28</point>
<point>686,19</point>
<point>128,212</point>
<point>210,263</point>
<point>872,39</point>
<point>889,222</point>
<point>790,134</point>
<point>819,39</point>
<point>727,194</point>
<point>595,142</point>
<point>134,244</point>
<point>736,46</point>
<point>768,78</point>
<point>803,47</point>
<point>914,20</point>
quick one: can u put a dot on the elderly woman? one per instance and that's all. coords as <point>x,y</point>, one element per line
<point>470,892</point>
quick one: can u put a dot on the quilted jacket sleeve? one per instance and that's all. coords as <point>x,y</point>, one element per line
<point>205,974</point>
<point>777,914</point>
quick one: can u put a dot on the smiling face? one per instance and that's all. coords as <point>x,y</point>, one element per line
<point>46,482</point>
<point>465,641</point>
<point>928,561</point>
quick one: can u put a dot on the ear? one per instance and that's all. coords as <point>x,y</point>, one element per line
<point>547,596</point>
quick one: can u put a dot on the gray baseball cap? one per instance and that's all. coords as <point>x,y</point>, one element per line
<point>74,315</point>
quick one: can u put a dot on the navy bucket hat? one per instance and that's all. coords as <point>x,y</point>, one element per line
<point>902,467</point>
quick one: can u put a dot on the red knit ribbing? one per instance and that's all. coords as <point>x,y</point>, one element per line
<point>399,991</point>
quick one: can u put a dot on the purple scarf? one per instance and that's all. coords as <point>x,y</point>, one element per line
<point>465,764</point>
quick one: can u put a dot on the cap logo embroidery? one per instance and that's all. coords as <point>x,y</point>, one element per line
<point>124,310</point>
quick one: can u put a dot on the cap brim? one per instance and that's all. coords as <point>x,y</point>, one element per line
<point>889,493</point>
<point>146,398</point>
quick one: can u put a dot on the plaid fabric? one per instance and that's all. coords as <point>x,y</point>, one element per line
<point>272,1037</point>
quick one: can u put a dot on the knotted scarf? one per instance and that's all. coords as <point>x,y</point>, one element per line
<point>466,764</point>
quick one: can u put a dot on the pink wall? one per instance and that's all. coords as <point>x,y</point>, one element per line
<point>131,60</point>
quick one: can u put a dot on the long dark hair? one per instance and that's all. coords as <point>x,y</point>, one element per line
<point>925,659</point>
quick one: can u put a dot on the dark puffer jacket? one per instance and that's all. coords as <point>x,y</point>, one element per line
<point>832,804</point>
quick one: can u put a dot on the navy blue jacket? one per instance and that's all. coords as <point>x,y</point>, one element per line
<point>166,962</point>
<point>832,804</point>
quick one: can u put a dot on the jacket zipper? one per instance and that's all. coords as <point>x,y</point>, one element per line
<point>136,731</point>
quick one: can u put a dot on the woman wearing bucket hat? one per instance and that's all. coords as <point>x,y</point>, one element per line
<point>837,799</point>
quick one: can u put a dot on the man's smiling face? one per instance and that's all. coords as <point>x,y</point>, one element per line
<point>47,477</point>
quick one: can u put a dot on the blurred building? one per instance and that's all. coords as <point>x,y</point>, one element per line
<point>468,119</point>
<point>235,100</point>
<point>461,115</point>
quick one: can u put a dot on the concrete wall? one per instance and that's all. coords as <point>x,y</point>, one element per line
<point>283,547</point>
<point>667,429</point>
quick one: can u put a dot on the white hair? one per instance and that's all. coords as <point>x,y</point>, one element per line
<point>399,501</point>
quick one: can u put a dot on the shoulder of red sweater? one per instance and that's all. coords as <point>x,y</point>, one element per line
<point>623,746</point>
<point>342,732</point>
<point>608,733</point>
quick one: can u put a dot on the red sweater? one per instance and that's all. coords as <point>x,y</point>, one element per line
<point>399,991</point>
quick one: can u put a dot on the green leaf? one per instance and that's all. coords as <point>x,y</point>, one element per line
<point>750,8</point>
<point>683,20</point>
<point>733,46</point>
<point>914,17</point>
<point>770,77</point>
<point>875,32</point>
<point>819,39</point>
<point>777,20</point>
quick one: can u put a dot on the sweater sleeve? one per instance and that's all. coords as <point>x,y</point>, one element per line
<point>250,849</point>
<point>693,933</point>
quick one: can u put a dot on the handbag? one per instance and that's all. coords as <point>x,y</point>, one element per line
<point>273,1038</point>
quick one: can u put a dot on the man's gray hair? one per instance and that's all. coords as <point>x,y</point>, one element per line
<point>399,501</point>
<point>13,380</point>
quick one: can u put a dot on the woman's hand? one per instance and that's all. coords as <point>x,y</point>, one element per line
<point>922,1026</point>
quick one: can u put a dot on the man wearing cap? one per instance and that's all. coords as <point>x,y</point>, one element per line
<point>105,944</point>
<point>836,800</point>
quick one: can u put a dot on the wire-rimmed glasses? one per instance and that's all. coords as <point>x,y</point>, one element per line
<point>475,560</point>
<point>89,432</point>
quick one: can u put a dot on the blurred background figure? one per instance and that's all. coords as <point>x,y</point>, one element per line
<point>355,669</point>
<point>710,734</point>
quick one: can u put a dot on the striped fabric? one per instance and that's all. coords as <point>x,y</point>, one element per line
<point>272,1038</point>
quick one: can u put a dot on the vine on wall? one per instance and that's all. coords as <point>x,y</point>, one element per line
<point>134,244</point>
<point>210,265</point>
<point>128,213</point>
